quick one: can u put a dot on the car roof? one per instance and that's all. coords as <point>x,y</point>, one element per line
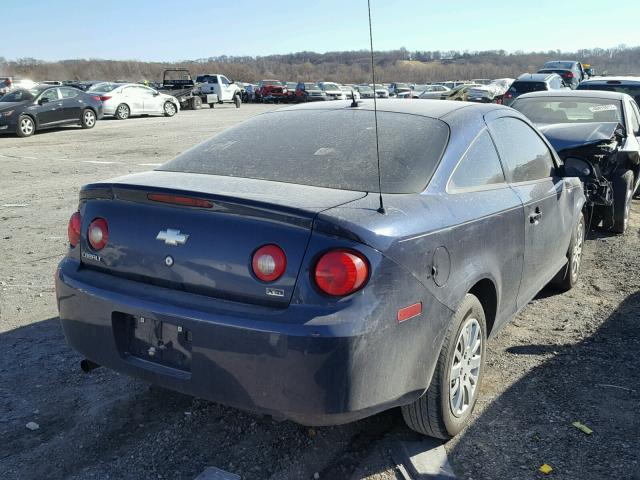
<point>621,79</point>
<point>604,94</point>
<point>535,77</point>
<point>426,108</point>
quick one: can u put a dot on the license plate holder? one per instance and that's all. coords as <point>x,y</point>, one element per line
<point>158,341</point>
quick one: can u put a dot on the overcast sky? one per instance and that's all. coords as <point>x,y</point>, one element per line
<point>167,31</point>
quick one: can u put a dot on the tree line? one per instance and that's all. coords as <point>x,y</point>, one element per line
<point>343,67</point>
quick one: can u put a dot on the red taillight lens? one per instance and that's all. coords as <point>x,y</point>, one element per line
<point>568,75</point>
<point>98,233</point>
<point>73,229</point>
<point>341,272</point>
<point>104,98</point>
<point>269,263</point>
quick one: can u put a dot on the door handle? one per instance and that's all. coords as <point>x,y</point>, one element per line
<point>536,216</point>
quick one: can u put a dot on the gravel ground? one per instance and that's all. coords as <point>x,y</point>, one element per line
<point>565,358</point>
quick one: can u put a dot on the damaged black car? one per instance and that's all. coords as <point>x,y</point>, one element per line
<point>597,134</point>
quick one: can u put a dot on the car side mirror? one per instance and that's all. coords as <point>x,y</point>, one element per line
<point>575,167</point>
<point>43,100</point>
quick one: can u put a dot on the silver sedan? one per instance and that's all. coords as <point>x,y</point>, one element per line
<point>124,100</point>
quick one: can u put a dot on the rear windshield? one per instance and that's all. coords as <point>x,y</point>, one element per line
<point>19,95</point>
<point>526,87</point>
<point>633,90</point>
<point>565,65</point>
<point>330,148</point>
<point>207,79</point>
<point>104,87</point>
<point>549,110</point>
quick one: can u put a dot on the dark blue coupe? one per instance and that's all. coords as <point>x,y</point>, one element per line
<point>257,269</point>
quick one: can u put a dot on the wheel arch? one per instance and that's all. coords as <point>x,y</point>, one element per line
<point>32,117</point>
<point>485,291</point>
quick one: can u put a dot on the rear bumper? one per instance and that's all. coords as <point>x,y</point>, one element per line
<point>309,373</point>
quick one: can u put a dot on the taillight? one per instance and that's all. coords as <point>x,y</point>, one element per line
<point>101,98</point>
<point>73,229</point>
<point>341,272</point>
<point>508,95</point>
<point>568,75</point>
<point>180,200</point>
<point>269,263</point>
<point>98,233</point>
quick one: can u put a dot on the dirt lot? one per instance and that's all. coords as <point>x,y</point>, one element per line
<point>564,358</point>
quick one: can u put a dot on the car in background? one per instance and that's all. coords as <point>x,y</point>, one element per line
<point>381,91</point>
<point>481,81</point>
<point>572,72</point>
<point>395,89</point>
<point>249,269</point>
<point>309,92</point>
<point>365,91</point>
<point>6,84</point>
<point>271,91</point>
<point>490,93</point>
<point>51,82</point>
<point>350,93</point>
<point>23,83</point>
<point>628,85</point>
<point>460,93</point>
<point>290,95</point>
<point>435,92</point>
<point>25,111</point>
<point>533,82</point>
<point>597,134</point>
<point>124,100</point>
<point>332,90</point>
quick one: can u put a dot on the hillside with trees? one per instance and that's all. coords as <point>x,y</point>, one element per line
<point>344,67</point>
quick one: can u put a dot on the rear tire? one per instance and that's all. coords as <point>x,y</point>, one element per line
<point>567,277</point>
<point>237,100</point>
<point>88,119</point>
<point>622,194</point>
<point>212,105</point>
<point>123,112</point>
<point>446,407</point>
<point>169,109</point>
<point>26,126</point>
<point>196,103</point>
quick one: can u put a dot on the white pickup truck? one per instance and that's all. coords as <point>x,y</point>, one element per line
<point>219,85</point>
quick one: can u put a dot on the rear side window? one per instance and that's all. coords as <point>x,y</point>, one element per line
<point>325,148</point>
<point>526,87</point>
<point>69,92</point>
<point>479,167</point>
<point>523,152</point>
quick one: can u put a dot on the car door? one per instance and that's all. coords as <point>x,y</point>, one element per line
<point>226,91</point>
<point>71,105</point>
<point>151,100</point>
<point>548,207</point>
<point>133,97</point>
<point>49,111</point>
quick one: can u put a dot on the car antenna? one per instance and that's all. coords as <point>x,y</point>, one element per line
<point>375,111</point>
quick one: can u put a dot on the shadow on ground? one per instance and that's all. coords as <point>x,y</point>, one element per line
<point>105,425</point>
<point>596,382</point>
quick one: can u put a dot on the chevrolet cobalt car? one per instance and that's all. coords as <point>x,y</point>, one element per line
<point>260,271</point>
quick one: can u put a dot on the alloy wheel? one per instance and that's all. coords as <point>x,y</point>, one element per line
<point>26,126</point>
<point>576,257</point>
<point>170,109</point>
<point>464,373</point>
<point>89,118</point>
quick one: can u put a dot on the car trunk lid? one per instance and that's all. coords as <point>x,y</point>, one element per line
<point>204,248</point>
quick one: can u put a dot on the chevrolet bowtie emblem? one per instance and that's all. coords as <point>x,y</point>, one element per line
<point>172,237</point>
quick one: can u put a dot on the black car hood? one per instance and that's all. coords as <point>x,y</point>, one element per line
<point>564,136</point>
